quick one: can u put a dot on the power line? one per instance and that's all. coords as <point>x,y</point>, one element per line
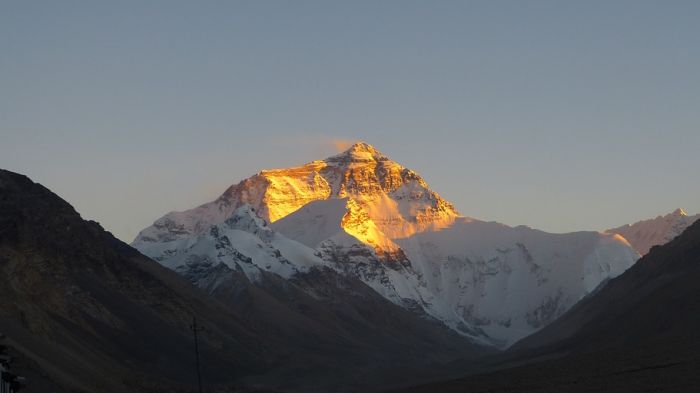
<point>196,329</point>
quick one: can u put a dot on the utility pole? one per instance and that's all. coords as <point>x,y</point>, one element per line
<point>196,329</point>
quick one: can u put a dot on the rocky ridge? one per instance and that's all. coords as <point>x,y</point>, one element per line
<point>371,218</point>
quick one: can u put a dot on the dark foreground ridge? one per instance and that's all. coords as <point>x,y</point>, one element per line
<point>93,314</point>
<point>639,333</point>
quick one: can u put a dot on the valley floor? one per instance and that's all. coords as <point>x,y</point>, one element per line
<point>669,366</point>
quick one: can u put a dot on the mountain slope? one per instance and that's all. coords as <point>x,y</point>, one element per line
<point>644,235</point>
<point>292,294</point>
<point>397,199</point>
<point>488,281</point>
<point>96,315</point>
<point>509,282</point>
<point>370,218</point>
<point>243,243</point>
<point>658,297</point>
<point>341,335</point>
<point>641,332</point>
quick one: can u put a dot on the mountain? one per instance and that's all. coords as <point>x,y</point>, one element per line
<point>658,297</point>
<point>506,282</point>
<point>244,243</point>
<point>640,332</point>
<point>396,198</point>
<point>365,216</point>
<point>84,312</point>
<point>644,235</point>
<point>93,314</point>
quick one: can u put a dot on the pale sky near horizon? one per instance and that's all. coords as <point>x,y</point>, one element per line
<point>561,115</point>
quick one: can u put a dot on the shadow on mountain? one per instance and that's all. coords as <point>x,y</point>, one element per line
<point>640,332</point>
<point>84,312</point>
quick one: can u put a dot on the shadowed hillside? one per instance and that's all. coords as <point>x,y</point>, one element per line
<point>641,332</point>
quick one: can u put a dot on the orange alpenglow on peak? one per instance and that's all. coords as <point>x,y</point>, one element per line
<point>396,199</point>
<point>359,152</point>
<point>679,212</point>
<point>361,147</point>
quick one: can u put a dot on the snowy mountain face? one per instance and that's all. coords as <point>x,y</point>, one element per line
<point>397,199</point>
<point>491,282</point>
<point>366,216</point>
<point>644,235</point>
<point>243,243</point>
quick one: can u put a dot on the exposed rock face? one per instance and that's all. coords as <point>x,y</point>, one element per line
<point>644,235</point>
<point>368,217</point>
<point>396,199</point>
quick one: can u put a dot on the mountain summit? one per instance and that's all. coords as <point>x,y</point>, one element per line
<point>645,234</point>
<point>359,152</point>
<point>368,217</point>
<point>396,199</point>
<point>680,212</point>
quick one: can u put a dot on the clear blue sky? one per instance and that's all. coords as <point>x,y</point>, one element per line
<point>562,115</point>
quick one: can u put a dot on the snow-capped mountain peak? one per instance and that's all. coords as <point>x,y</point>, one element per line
<point>367,216</point>
<point>397,199</point>
<point>679,212</point>
<point>358,152</point>
<point>645,234</point>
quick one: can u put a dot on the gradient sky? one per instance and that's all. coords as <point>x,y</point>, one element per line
<point>562,115</point>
